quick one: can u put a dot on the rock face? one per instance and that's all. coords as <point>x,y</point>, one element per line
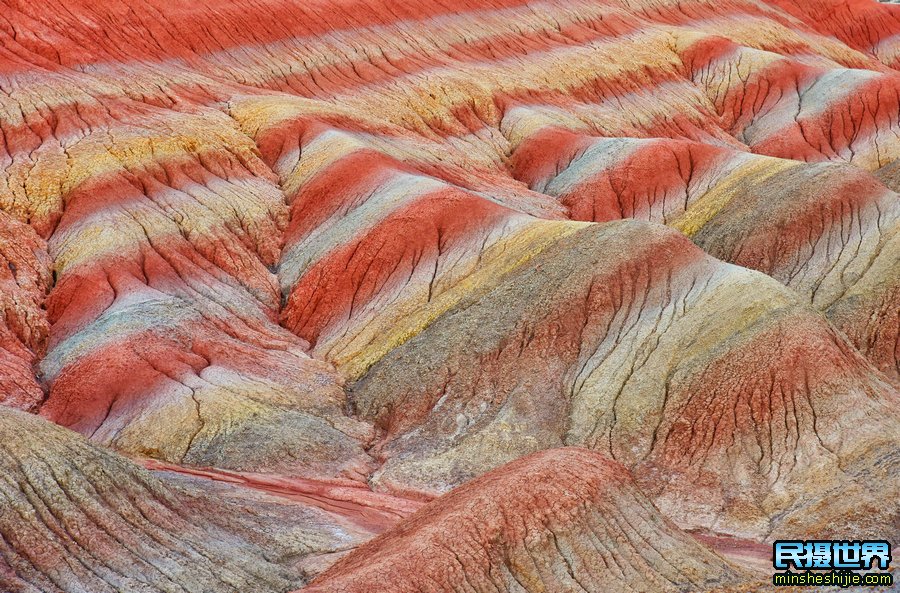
<point>725,424</point>
<point>827,230</point>
<point>314,265</point>
<point>164,339</point>
<point>559,520</point>
<point>76,517</point>
<point>24,282</point>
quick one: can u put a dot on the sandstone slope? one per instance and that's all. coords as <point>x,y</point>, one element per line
<point>559,520</point>
<point>319,263</point>
<point>75,517</point>
<point>604,340</point>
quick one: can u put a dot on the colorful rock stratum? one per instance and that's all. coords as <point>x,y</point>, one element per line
<point>482,296</point>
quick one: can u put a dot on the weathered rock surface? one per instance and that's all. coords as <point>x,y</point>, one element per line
<point>827,230</point>
<point>734,405</point>
<point>75,517</point>
<point>320,263</point>
<point>24,282</point>
<point>559,520</point>
<point>164,341</point>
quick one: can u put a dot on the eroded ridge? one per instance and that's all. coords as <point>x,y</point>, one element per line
<point>828,230</point>
<point>76,517</point>
<point>354,254</point>
<point>165,339</point>
<point>605,340</point>
<point>563,520</point>
<point>321,170</point>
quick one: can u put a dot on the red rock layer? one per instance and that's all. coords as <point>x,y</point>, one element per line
<point>164,337</point>
<point>827,230</point>
<point>214,216</point>
<point>24,281</point>
<point>555,520</point>
<point>721,421</point>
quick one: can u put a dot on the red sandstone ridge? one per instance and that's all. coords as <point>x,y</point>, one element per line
<point>559,520</point>
<point>279,278</point>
